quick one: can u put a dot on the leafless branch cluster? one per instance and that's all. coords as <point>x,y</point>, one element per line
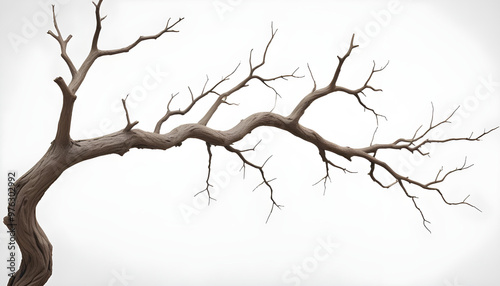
<point>415,144</point>
<point>290,123</point>
<point>64,152</point>
<point>78,75</point>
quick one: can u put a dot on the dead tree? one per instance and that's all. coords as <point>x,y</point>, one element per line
<point>64,152</point>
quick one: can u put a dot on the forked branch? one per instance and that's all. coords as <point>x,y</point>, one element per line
<point>193,100</point>
<point>333,86</point>
<point>129,125</point>
<point>78,75</point>
<point>416,142</point>
<point>63,43</point>
<point>167,29</point>
<point>328,163</point>
<point>99,19</point>
<point>35,269</point>
<point>251,75</point>
<point>265,181</point>
<point>336,75</point>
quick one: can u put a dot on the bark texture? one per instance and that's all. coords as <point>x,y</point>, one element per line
<point>36,264</point>
<point>64,152</point>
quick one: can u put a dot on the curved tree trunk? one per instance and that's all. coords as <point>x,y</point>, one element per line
<point>36,250</point>
<point>36,265</point>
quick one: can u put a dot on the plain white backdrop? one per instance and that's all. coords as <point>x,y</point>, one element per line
<point>133,220</point>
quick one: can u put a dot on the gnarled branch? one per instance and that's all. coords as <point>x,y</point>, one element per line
<point>36,266</point>
<point>63,128</point>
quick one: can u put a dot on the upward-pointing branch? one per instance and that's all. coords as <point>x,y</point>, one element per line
<point>333,83</point>
<point>223,96</point>
<point>167,29</point>
<point>78,76</point>
<point>332,87</point>
<point>98,26</point>
<point>95,52</point>
<point>63,43</point>
<point>63,128</point>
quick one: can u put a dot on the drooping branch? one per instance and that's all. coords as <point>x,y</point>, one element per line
<point>208,185</point>
<point>265,181</point>
<point>328,163</point>
<point>357,92</point>
<point>121,142</point>
<point>400,179</point>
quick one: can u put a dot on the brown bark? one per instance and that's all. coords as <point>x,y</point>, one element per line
<point>36,250</point>
<point>36,265</point>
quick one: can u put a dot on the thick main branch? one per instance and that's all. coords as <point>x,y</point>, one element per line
<point>36,266</point>
<point>63,128</point>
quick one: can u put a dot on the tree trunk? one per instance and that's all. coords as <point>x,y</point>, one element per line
<point>36,250</point>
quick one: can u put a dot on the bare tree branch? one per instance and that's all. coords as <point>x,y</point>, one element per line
<point>332,87</point>
<point>63,128</point>
<point>223,96</point>
<point>99,19</point>
<point>36,266</point>
<point>98,26</point>
<point>357,92</point>
<point>261,170</point>
<point>141,139</point>
<point>62,43</point>
<point>80,74</point>
<point>208,185</point>
<point>69,91</point>
<point>167,29</point>
<point>129,125</point>
<point>312,77</point>
<point>400,179</point>
<point>352,46</point>
<point>193,101</point>
<point>289,123</point>
<point>416,143</point>
<point>328,163</point>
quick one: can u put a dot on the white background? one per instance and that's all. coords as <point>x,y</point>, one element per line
<point>118,220</point>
